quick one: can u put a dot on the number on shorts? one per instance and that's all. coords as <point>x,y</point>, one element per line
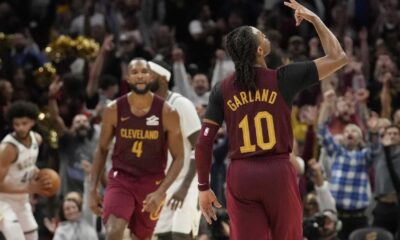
<point>137,148</point>
<point>244,125</point>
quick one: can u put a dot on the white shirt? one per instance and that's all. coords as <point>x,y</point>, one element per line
<point>189,123</point>
<point>22,170</point>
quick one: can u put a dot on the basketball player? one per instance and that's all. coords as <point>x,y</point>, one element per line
<point>262,192</point>
<point>18,155</point>
<point>179,219</point>
<point>145,127</point>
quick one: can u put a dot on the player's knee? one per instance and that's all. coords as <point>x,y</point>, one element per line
<point>115,228</point>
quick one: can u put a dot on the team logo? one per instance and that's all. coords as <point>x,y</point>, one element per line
<point>152,121</point>
<point>123,119</point>
<point>154,216</point>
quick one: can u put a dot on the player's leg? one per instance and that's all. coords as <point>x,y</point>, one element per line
<point>142,224</point>
<point>180,224</point>
<point>26,220</point>
<point>246,212</point>
<point>118,206</point>
<point>282,201</point>
<point>247,218</point>
<point>9,225</point>
<point>115,227</point>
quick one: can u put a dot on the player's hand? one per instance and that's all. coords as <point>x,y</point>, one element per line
<point>177,199</point>
<point>95,201</point>
<point>39,185</point>
<point>50,224</point>
<point>300,12</point>
<point>55,86</point>
<point>207,200</point>
<point>316,172</point>
<point>153,202</point>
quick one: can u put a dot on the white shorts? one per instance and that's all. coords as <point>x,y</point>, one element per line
<point>9,225</point>
<point>23,209</point>
<point>184,220</point>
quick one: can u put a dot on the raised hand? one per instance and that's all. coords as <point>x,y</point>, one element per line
<point>55,86</point>
<point>300,12</point>
<point>373,123</point>
<point>108,43</point>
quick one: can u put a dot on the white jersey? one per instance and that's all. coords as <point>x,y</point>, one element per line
<point>21,171</point>
<point>189,123</point>
<point>186,219</point>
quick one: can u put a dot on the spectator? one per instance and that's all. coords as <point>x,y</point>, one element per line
<point>73,226</point>
<point>349,177</point>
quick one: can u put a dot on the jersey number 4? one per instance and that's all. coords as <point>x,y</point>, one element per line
<point>137,148</point>
<point>248,147</point>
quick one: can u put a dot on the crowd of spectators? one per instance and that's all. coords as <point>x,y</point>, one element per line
<point>347,129</point>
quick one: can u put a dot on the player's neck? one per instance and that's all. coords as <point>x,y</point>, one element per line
<point>140,100</point>
<point>162,91</point>
<point>26,141</point>
<point>260,62</point>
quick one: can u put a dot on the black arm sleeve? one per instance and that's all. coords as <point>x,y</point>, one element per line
<point>215,108</point>
<point>295,77</point>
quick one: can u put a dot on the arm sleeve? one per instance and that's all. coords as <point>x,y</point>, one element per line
<point>295,77</point>
<point>215,108</point>
<point>203,154</point>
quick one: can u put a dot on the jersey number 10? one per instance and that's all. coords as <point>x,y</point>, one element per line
<point>248,147</point>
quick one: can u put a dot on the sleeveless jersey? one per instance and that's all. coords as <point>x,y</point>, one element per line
<point>258,122</point>
<point>140,145</point>
<point>21,171</point>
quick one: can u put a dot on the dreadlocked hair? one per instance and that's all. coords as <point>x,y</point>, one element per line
<point>241,45</point>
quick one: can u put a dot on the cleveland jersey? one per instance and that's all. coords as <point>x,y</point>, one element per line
<point>22,170</point>
<point>258,121</point>
<point>140,144</point>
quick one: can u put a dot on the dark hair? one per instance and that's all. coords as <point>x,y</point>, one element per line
<point>241,45</point>
<point>107,81</point>
<point>20,109</point>
<point>392,126</point>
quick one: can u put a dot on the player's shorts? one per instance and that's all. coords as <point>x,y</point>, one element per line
<point>20,205</point>
<point>263,200</point>
<point>183,220</point>
<point>123,199</point>
<point>9,225</point>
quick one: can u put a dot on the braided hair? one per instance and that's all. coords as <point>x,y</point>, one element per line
<point>241,45</point>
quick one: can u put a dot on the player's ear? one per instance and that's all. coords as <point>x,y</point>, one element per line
<point>260,51</point>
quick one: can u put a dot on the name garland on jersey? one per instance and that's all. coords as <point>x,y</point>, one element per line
<point>260,95</point>
<point>141,134</point>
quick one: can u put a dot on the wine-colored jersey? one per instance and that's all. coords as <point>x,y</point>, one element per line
<point>258,122</point>
<point>141,146</point>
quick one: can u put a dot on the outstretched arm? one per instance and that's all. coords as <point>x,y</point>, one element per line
<point>335,57</point>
